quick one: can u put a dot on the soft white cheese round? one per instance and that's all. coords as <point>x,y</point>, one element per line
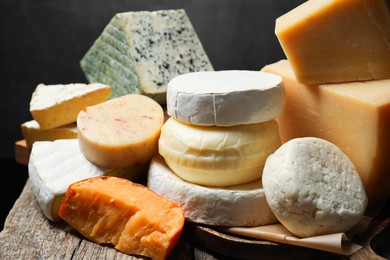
<point>242,205</point>
<point>218,156</point>
<point>313,188</point>
<point>225,98</point>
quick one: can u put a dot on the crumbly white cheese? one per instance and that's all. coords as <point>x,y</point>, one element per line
<point>225,98</point>
<point>218,156</point>
<point>54,165</point>
<point>313,188</point>
<point>241,205</point>
<point>139,52</point>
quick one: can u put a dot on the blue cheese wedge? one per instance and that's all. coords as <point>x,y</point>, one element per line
<point>54,165</point>
<point>139,52</point>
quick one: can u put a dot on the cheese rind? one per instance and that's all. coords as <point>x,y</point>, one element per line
<point>225,98</point>
<point>313,188</point>
<point>32,132</point>
<point>218,156</point>
<point>139,52</point>
<point>54,165</point>
<point>353,116</point>
<point>121,132</point>
<point>241,205</point>
<point>57,105</point>
<point>328,41</point>
<point>110,210</point>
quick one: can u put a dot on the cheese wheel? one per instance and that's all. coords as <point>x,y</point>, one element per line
<point>313,188</point>
<point>225,98</point>
<point>121,132</point>
<point>241,205</point>
<point>112,210</point>
<point>218,156</point>
<point>57,105</point>
<point>54,165</point>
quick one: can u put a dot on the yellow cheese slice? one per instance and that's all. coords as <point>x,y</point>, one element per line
<point>120,132</point>
<point>32,132</point>
<point>328,41</point>
<point>218,156</point>
<point>353,116</point>
<point>57,105</point>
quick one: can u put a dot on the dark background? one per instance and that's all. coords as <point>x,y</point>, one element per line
<point>42,41</point>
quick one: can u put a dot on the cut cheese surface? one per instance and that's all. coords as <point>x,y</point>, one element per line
<point>121,132</point>
<point>328,41</point>
<point>32,132</point>
<point>218,156</point>
<point>225,98</point>
<point>57,105</point>
<point>110,210</point>
<point>241,205</point>
<point>139,52</point>
<point>53,166</point>
<point>353,116</point>
<point>313,188</point>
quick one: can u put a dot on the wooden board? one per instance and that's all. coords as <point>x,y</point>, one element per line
<point>26,224</point>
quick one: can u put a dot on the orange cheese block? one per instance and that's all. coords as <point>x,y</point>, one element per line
<point>354,116</point>
<point>121,132</point>
<point>337,40</point>
<point>130,216</point>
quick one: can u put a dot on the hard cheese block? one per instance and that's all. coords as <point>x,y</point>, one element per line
<point>32,132</point>
<point>218,156</point>
<point>240,205</point>
<point>139,52</point>
<point>54,165</point>
<point>330,41</point>
<point>137,221</point>
<point>225,98</point>
<point>57,105</point>
<point>353,116</point>
<point>121,132</point>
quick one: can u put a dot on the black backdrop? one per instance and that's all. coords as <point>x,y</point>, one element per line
<point>42,41</point>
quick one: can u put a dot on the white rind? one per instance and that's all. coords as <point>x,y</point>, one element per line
<point>313,188</point>
<point>241,205</point>
<point>225,98</point>
<point>54,165</point>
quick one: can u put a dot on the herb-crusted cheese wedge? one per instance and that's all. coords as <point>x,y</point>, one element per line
<point>139,52</point>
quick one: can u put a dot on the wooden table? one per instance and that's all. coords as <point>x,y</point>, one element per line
<point>27,234</point>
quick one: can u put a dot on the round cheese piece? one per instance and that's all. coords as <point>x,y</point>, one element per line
<point>313,188</point>
<point>241,205</point>
<point>120,132</point>
<point>225,98</point>
<point>218,156</point>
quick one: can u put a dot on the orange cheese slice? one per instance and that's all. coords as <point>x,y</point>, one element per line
<point>130,216</point>
<point>120,132</point>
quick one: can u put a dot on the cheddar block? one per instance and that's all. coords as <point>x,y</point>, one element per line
<point>225,98</point>
<point>331,41</point>
<point>111,210</point>
<point>353,116</point>
<point>218,156</point>
<point>54,165</point>
<point>57,105</point>
<point>212,205</point>
<point>32,132</point>
<point>121,132</point>
<point>139,52</point>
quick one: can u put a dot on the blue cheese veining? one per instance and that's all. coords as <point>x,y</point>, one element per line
<point>139,52</point>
